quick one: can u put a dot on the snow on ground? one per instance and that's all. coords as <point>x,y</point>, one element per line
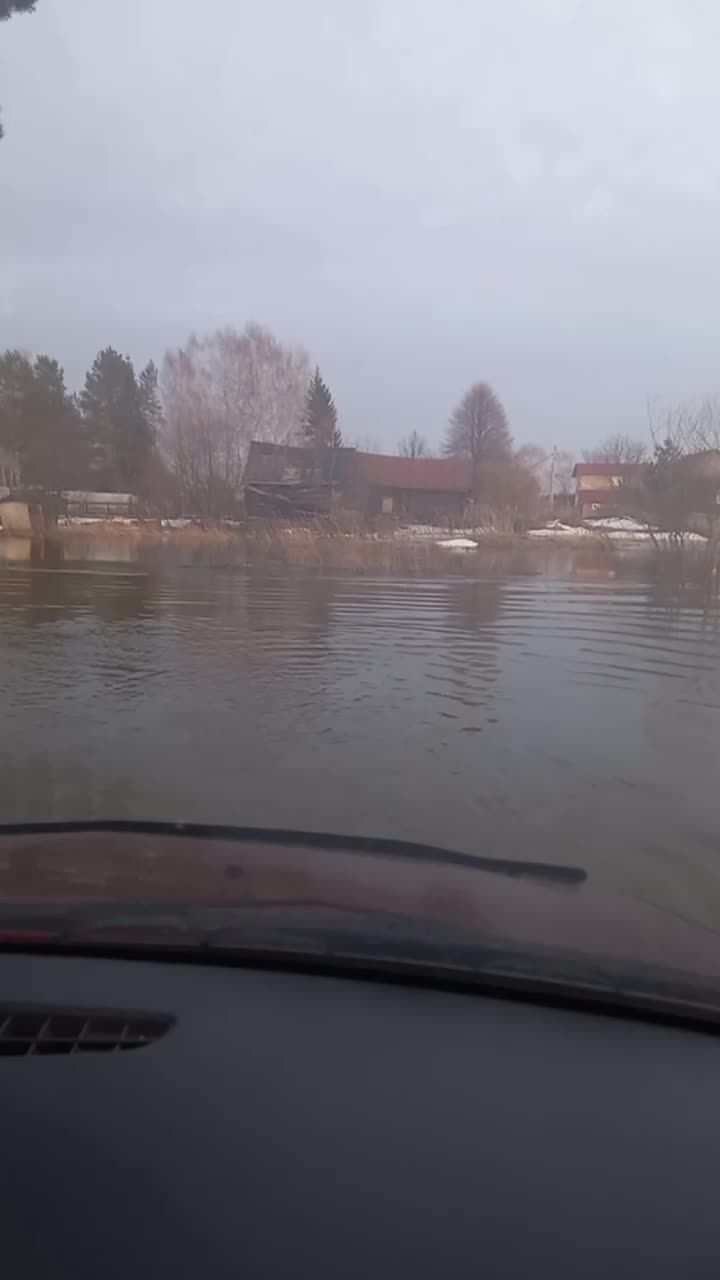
<point>69,521</point>
<point>556,529</point>
<point>617,529</point>
<point>626,524</point>
<point>416,532</point>
<point>625,529</point>
<point>458,544</point>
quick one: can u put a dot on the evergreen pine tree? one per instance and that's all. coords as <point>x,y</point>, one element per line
<point>150,400</point>
<point>114,409</point>
<point>39,422</point>
<point>320,416</point>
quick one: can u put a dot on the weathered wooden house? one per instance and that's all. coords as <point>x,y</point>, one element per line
<point>296,480</point>
<point>704,465</point>
<point>429,490</point>
<point>612,488</point>
<point>607,488</point>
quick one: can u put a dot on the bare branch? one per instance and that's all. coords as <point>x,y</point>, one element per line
<point>414,445</point>
<point>220,392</point>
<point>618,448</point>
<point>479,427</point>
<point>366,444</point>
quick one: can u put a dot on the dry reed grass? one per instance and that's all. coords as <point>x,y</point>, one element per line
<point>319,545</point>
<point>351,553</point>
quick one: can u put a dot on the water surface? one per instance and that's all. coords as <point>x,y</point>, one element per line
<point>562,714</point>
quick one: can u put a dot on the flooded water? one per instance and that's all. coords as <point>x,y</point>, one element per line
<point>558,712</point>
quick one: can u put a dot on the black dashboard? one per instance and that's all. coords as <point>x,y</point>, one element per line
<point>295,1124</point>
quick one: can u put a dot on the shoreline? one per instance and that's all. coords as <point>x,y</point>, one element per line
<point>179,531</point>
<point>411,551</point>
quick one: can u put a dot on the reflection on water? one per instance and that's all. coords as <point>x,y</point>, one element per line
<point>570,714</point>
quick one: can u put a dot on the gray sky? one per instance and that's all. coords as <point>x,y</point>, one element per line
<point>423,195</point>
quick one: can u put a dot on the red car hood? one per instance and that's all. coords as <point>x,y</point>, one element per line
<point>78,867</point>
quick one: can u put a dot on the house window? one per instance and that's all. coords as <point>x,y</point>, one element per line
<point>387,504</point>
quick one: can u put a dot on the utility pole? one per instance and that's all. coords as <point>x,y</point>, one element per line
<point>553,457</point>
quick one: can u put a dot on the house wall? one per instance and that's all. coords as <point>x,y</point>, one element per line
<point>19,518</point>
<point>596,482</point>
<point>600,494</point>
<point>419,504</point>
<point>706,465</point>
<point>289,502</point>
<point>601,502</point>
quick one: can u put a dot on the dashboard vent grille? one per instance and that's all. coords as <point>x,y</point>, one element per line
<point>25,1032</point>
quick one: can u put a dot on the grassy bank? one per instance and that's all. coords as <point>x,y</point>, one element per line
<point>315,547</point>
<point>323,548</point>
<point>320,546</point>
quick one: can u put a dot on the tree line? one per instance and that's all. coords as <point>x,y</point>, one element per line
<point>179,437</point>
<point>106,434</point>
<point>219,392</point>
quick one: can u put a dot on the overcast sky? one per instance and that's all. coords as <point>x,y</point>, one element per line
<point>422,194</point>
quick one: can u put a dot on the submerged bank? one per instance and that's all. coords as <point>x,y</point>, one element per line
<point>600,552</point>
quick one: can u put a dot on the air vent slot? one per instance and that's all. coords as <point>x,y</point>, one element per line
<point>32,1031</point>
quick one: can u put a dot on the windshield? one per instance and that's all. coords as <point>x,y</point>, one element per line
<point>360,474</point>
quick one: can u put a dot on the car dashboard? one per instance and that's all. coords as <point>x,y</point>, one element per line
<point>271,1122</point>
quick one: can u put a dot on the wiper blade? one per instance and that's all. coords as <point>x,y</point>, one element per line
<point>371,846</point>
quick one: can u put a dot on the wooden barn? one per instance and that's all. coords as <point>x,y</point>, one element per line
<point>428,490</point>
<point>295,481</point>
<point>300,481</point>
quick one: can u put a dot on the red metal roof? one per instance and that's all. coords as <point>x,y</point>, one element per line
<point>608,468</point>
<point>439,475</point>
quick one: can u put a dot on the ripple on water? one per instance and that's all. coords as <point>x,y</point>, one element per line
<point>529,716</point>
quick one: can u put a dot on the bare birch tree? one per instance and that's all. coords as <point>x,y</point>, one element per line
<point>618,448</point>
<point>220,392</point>
<point>552,468</point>
<point>366,444</point>
<point>478,429</point>
<point>414,445</point>
<point>692,426</point>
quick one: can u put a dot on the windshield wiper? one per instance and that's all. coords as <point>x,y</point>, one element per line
<point>556,873</point>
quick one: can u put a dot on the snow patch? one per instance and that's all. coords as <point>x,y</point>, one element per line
<point>624,524</point>
<point>556,529</point>
<point>458,544</point>
<point>620,530</point>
